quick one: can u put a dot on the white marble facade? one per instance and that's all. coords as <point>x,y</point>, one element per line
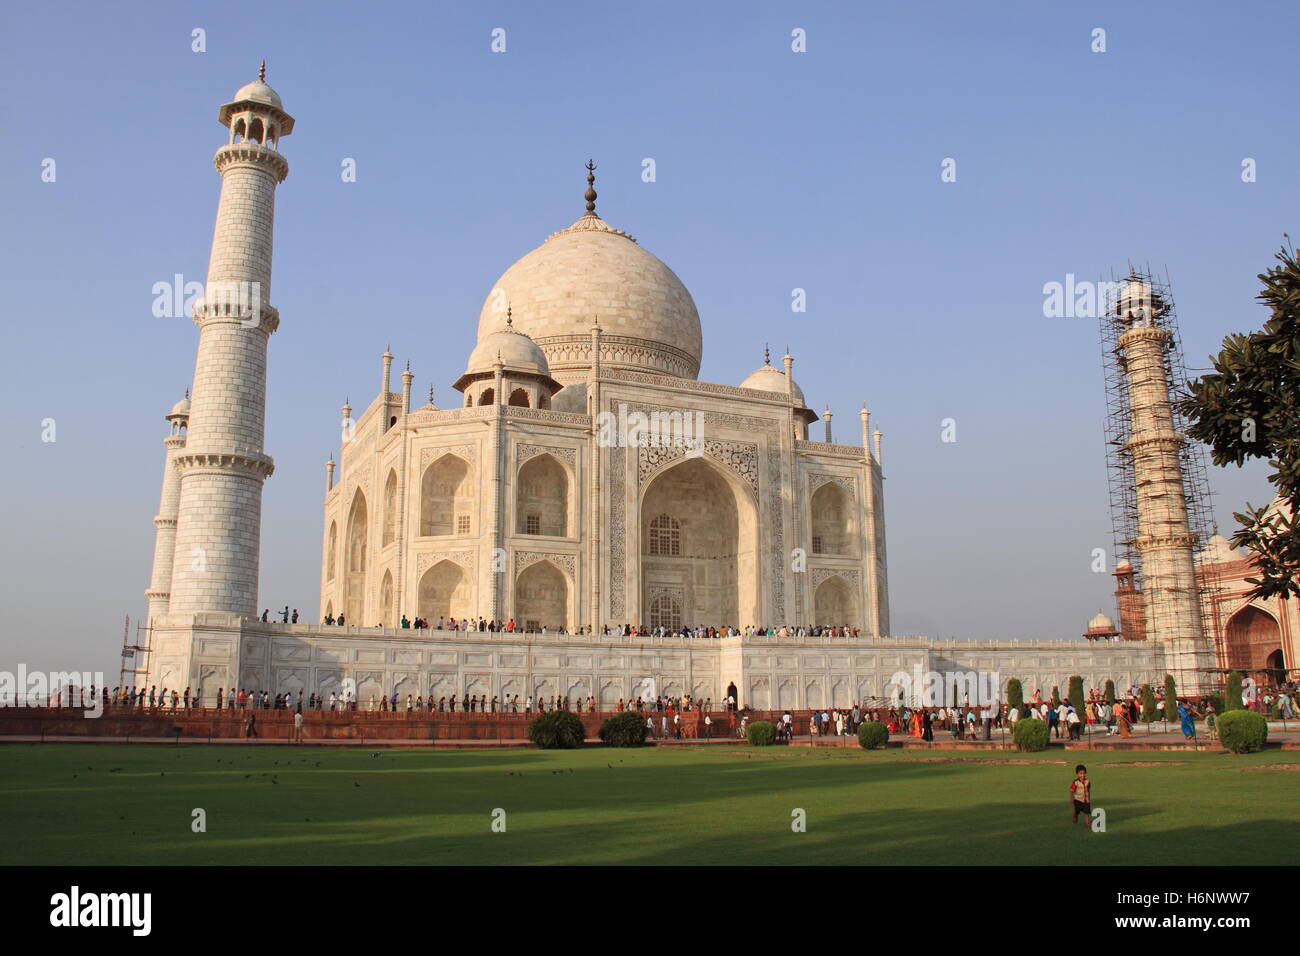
<point>585,478</point>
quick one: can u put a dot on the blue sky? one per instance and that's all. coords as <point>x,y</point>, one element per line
<point>776,170</point>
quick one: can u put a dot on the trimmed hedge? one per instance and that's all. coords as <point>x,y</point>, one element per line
<point>1149,712</point>
<point>1232,694</point>
<point>872,735</point>
<point>761,733</point>
<point>557,730</point>
<point>1075,694</point>
<point>1243,731</point>
<point>1015,694</point>
<point>1171,699</point>
<point>1030,734</point>
<point>1109,694</point>
<point>623,730</point>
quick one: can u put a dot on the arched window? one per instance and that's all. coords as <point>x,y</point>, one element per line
<point>665,536</point>
<point>519,398</point>
<point>488,397</point>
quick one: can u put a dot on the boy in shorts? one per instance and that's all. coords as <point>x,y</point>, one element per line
<point>1081,795</point>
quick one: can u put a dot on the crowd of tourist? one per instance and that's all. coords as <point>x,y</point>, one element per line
<point>511,626</point>
<point>664,714</point>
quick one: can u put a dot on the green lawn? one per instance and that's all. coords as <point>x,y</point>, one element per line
<point>131,804</point>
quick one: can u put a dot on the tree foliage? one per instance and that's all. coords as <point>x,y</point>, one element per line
<point>1232,695</point>
<point>1171,698</point>
<point>1148,697</point>
<point>1016,694</point>
<point>1249,407</point>
<point>1075,694</point>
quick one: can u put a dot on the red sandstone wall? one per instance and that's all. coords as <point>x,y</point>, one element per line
<point>344,725</point>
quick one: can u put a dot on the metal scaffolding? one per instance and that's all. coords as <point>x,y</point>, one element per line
<point>1119,428</point>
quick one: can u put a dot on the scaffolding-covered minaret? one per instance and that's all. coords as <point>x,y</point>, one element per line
<point>1159,494</point>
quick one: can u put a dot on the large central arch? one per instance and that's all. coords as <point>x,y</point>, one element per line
<point>1251,637</point>
<point>698,530</point>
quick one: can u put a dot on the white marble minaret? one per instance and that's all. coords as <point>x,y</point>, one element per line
<point>222,466</point>
<point>164,549</point>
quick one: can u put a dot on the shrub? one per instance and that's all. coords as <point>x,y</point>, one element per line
<point>1056,696</point>
<point>623,730</point>
<point>1243,731</point>
<point>1109,692</point>
<point>761,733</point>
<point>1031,734</point>
<point>557,730</point>
<point>1275,709</point>
<point>872,735</point>
<point>1232,695</point>
<point>1015,694</point>
<point>1148,703</point>
<point>1171,698</point>
<point>1216,703</point>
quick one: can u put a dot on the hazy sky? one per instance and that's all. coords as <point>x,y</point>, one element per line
<point>775,170</point>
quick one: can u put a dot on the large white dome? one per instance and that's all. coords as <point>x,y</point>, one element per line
<point>591,273</point>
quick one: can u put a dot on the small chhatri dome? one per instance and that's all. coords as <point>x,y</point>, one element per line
<point>768,378</point>
<point>182,408</point>
<point>254,95</point>
<point>259,92</point>
<point>514,349</point>
<point>1101,623</point>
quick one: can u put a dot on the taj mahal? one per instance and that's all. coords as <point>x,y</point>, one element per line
<point>584,486</point>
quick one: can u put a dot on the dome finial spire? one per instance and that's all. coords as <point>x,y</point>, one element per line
<point>261,72</point>
<point>590,194</point>
<point>767,355</point>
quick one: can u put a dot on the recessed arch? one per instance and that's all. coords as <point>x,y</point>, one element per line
<point>445,592</point>
<point>541,597</point>
<point>355,559</point>
<point>832,520</point>
<point>448,497</point>
<point>487,397</point>
<point>834,603</point>
<point>331,551</point>
<point>390,508</point>
<point>519,398</point>
<point>542,497</point>
<point>386,613</point>
<point>715,569</point>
